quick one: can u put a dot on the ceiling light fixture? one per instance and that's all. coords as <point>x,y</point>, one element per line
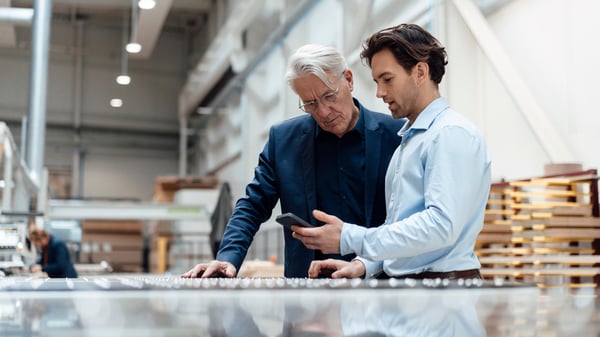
<point>123,78</point>
<point>146,4</point>
<point>133,47</point>
<point>116,102</point>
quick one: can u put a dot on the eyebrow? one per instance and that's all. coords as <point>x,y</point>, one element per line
<point>318,98</point>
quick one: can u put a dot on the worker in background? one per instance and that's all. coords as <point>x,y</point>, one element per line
<point>333,158</point>
<point>55,259</point>
<point>438,181</point>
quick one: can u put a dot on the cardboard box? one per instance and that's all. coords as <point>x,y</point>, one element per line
<point>119,241</point>
<point>166,186</point>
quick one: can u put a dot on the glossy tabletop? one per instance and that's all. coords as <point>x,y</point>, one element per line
<point>169,306</point>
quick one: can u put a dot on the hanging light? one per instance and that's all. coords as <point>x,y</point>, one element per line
<point>123,78</point>
<point>133,47</point>
<point>146,4</point>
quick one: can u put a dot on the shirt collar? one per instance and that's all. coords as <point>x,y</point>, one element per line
<point>426,117</point>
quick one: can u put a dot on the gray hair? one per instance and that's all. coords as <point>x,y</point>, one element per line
<point>318,60</point>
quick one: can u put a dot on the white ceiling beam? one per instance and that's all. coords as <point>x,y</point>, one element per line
<point>148,27</point>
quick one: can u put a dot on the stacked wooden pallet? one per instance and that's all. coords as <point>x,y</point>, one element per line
<point>542,230</point>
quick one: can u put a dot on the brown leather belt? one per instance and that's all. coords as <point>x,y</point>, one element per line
<point>450,275</point>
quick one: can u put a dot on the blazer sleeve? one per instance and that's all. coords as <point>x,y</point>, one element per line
<point>253,209</point>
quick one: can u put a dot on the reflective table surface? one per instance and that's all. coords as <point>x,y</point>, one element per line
<point>170,306</point>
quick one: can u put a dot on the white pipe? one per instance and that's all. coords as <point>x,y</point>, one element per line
<point>8,179</point>
<point>37,96</point>
<point>17,16</point>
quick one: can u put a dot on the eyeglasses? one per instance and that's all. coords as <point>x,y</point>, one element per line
<point>328,99</point>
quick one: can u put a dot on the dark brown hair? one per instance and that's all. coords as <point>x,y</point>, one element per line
<point>37,234</point>
<point>410,44</point>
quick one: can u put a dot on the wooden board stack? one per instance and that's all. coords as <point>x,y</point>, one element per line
<point>542,230</point>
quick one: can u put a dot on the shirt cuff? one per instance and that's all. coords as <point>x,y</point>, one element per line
<point>372,268</point>
<point>351,239</point>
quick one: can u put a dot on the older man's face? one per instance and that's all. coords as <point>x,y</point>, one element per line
<point>332,107</point>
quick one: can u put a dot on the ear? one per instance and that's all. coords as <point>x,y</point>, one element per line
<point>349,77</point>
<point>422,72</point>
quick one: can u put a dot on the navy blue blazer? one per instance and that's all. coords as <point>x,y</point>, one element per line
<point>286,172</point>
<point>59,260</point>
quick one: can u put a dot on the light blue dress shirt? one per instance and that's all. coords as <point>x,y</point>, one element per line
<point>437,185</point>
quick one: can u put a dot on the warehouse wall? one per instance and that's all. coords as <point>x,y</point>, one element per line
<point>548,42</point>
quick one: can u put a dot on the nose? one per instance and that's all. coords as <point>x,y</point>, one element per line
<point>323,113</point>
<point>322,109</point>
<point>380,93</point>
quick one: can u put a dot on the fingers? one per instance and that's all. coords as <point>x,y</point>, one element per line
<point>324,217</point>
<point>230,270</point>
<point>219,269</point>
<point>313,270</point>
<point>324,268</point>
<point>211,269</point>
<point>198,269</point>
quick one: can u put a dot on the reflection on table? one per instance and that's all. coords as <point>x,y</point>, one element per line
<point>262,309</point>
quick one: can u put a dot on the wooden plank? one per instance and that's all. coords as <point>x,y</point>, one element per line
<point>567,285</point>
<point>545,205</point>
<point>493,228</point>
<point>583,234</point>
<point>499,202</point>
<point>585,222</point>
<point>582,210</point>
<point>565,180</point>
<point>542,259</point>
<point>568,222</point>
<point>547,194</point>
<point>572,271</point>
<point>494,238</point>
<point>554,181</point>
<point>503,250</point>
<point>555,250</point>
<point>112,226</point>
<point>506,212</point>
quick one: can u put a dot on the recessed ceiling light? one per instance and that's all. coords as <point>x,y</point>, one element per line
<point>116,102</point>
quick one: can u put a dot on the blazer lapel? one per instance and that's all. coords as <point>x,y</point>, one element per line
<point>373,157</point>
<point>307,141</point>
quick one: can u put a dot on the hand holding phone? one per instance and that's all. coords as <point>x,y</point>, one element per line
<point>289,219</point>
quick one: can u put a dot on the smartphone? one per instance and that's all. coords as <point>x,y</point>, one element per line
<point>289,219</point>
